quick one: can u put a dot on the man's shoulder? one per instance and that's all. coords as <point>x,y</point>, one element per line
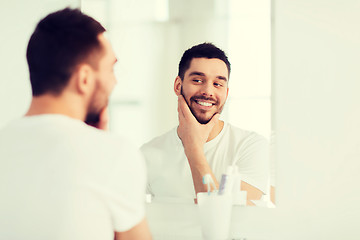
<point>109,142</point>
<point>77,133</point>
<point>161,140</point>
<point>243,134</point>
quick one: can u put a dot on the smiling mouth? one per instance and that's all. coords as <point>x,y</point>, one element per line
<point>203,103</point>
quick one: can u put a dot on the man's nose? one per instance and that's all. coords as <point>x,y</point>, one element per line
<point>207,90</point>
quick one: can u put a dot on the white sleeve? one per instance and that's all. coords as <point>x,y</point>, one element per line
<point>127,204</point>
<point>253,162</point>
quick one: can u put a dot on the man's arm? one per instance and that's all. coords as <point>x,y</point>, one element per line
<point>139,232</point>
<point>193,136</point>
<point>199,167</point>
<point>252,193</point>
<point>272,194</point>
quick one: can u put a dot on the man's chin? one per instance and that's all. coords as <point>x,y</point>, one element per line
<point>92,118</point>
<point>203,120</point>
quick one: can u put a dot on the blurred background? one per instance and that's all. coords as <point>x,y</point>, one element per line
<point>149,38</point>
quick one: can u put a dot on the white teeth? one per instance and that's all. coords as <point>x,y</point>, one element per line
<point>205,104</point>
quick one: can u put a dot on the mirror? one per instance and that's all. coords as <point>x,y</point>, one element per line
<point>149,42</point>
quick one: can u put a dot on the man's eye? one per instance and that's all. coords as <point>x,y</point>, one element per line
<point>217,84</point>
<point>197,80</point>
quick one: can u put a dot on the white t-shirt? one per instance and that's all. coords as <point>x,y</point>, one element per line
<point>169,174</point>
<point>62,179</point>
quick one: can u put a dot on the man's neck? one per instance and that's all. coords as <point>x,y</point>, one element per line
<point>49,104</point>
<point>216,130</point>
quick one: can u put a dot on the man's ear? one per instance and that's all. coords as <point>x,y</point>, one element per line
<point>84,80</point>
<point>177,86</point>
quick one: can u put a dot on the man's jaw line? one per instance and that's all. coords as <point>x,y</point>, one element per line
<point>207,102</point>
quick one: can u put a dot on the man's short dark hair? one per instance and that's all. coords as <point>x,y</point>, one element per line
<point>61,41</point>
<point>203,50</point>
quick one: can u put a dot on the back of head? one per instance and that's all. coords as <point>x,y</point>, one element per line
<point>203,50</point>
<point>60,42</point>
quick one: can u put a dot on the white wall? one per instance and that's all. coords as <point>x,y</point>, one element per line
<point>18,19</point>
<point>316,74</point>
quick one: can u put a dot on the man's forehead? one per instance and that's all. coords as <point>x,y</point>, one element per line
<point>212,66</point>
<point>104,41</point>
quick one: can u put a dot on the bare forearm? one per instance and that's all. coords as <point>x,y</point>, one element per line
<point>199,167</point>
<point>138,232</point>
<point>193,136</point>
<point>252,192</point>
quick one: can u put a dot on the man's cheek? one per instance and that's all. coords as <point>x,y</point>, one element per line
<point>186,100</point>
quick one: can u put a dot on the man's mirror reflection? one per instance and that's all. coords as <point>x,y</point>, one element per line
<point>203,144</point>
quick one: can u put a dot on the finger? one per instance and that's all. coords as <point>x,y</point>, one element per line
<point>104,119</point>
<point>180,112</point>
<point>185,108</point>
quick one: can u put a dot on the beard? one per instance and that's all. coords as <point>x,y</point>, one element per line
<point>92,118</point>
<point>199,118</point>
<point>95,108</point>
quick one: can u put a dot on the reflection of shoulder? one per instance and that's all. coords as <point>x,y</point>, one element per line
<point>161,148</point>
<point>243,136</point>
<point>161,141</point>
<point>243,133</point>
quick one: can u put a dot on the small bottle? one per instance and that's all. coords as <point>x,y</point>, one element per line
<point>226,183</point>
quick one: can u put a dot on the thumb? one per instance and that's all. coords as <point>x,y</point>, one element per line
<point>214,120</point>
<point>104,120</point>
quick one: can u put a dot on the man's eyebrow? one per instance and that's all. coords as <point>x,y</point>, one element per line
<point>222,78</point>
<point>196,74</point>
<point>203,75</point>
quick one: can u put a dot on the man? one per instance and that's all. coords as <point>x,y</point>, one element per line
<point>61,178</point>
<point>202,144</point>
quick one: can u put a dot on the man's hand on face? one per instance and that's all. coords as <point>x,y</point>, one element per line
<point>104,120</point>
<point>103,123</point>
<point>193,134</point>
